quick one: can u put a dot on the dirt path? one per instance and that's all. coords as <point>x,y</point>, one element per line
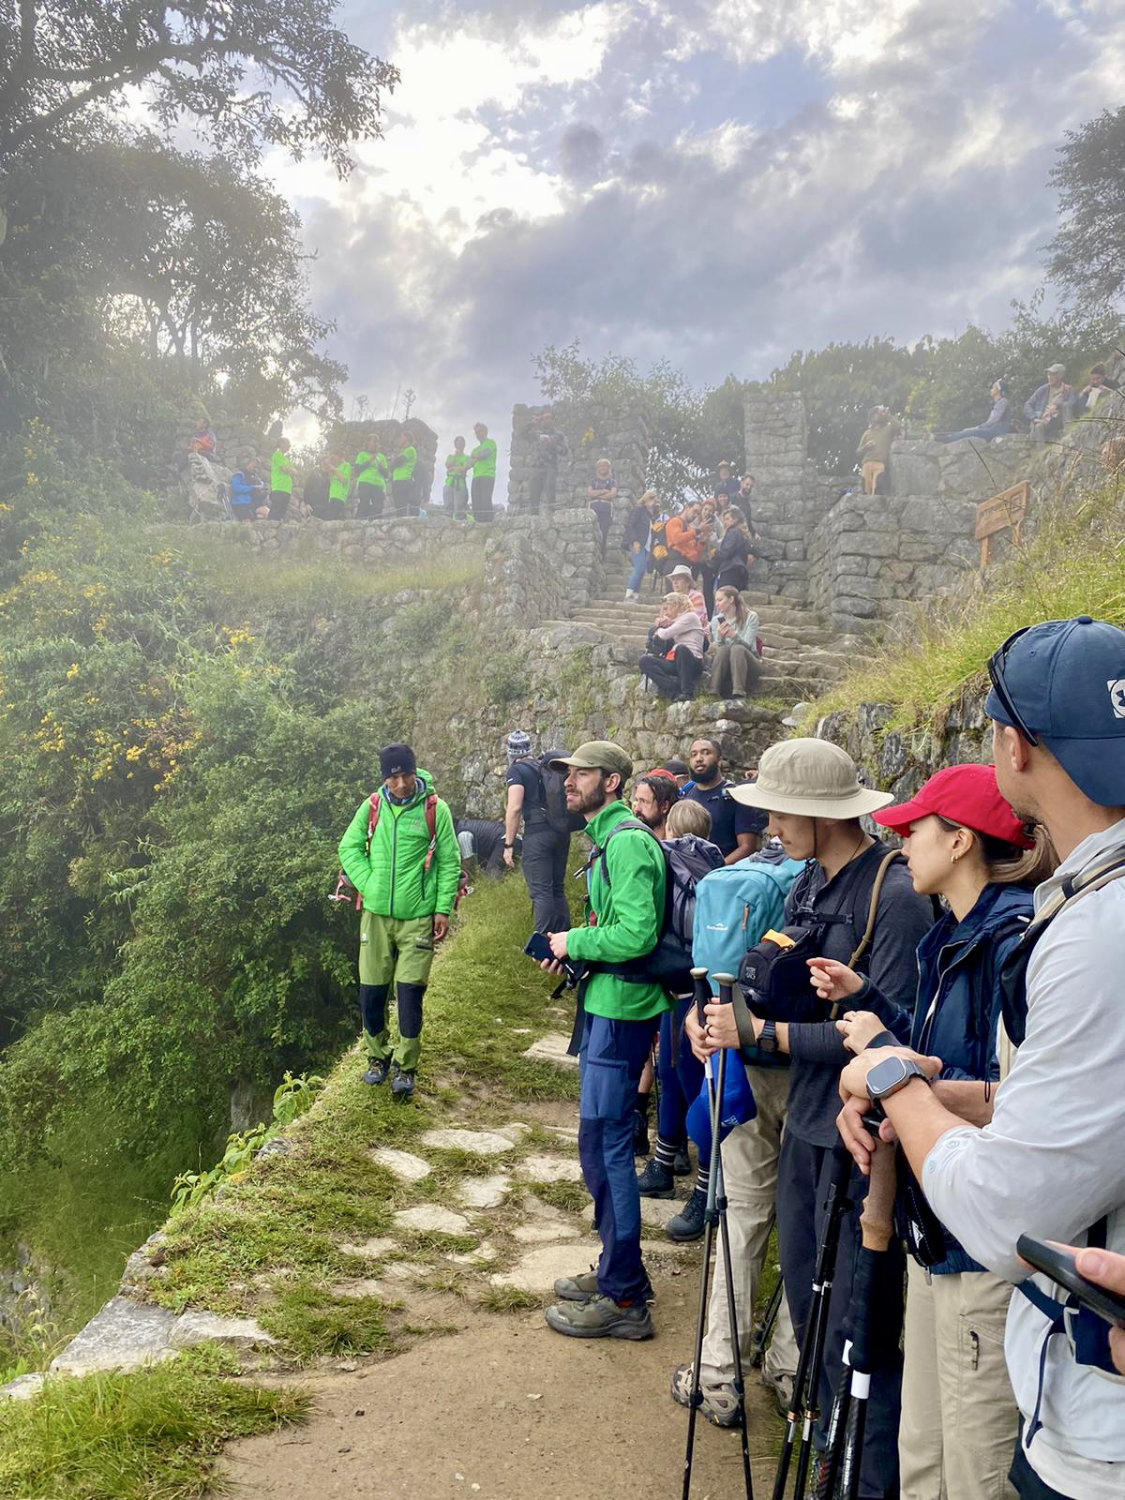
<point>508,1410</point>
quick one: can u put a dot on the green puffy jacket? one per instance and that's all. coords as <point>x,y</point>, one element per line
<point>392,877</point>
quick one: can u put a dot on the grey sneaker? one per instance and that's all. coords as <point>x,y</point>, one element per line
<point>719,1404</point>
<point>781,1384</point>
<point>689,1223</point>
<point>402,1083</point>
<point>577,1288</point>
<point>377,1070</point>
<point>600,1318</point>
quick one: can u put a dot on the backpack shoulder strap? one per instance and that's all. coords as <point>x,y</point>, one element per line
<point>431,829</point>
<point>876,891</point>
<point>374,804</point>
<point>599,854</point>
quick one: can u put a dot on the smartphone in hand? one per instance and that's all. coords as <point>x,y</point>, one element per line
<point>1058,1264</point>
<point>538,948</point>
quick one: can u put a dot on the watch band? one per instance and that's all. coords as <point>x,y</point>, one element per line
<point>767,1037</point>
<point>899,1072</point>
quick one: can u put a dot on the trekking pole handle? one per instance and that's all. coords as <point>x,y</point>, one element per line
<point>726,983</point>
<point>702,993</point>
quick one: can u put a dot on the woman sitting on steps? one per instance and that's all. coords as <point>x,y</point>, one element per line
<point>737,662</point>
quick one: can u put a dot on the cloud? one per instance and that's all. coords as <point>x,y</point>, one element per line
<point>714,182</point>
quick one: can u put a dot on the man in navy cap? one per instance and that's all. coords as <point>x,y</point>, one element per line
<point>1044,1155</point>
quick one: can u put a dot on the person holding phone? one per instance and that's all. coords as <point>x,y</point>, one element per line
<point>1050,1162</point>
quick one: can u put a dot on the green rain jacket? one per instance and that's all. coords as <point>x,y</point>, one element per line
<point>629,914</point>
<point>392,878</point>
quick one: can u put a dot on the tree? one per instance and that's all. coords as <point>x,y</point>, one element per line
<point>1090,177</point>
<point>258,73</point>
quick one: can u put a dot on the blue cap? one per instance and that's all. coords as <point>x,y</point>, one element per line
<point>1066,678</point>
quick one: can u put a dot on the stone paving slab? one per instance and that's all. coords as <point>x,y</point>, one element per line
<point>543,1234</point>
<point>552,1048</point>
<point>373,1249</point>
<point>544,1168</point>
<point>537,1269</point>
<point>479,1142</point>
<point>484,1192</point>
<point>197,1327</point>
<point>124,1335</point>
<point>431,1216</point>
<point>403,1164</point>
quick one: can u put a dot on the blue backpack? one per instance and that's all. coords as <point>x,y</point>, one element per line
<point>734,906</point>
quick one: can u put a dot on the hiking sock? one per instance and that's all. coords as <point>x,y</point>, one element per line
<point>703,1177</point>
<point>665,1153</point>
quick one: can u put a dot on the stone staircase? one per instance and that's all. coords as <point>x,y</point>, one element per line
<point>801,655</point>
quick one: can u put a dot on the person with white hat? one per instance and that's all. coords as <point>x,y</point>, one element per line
<point>811,790</point>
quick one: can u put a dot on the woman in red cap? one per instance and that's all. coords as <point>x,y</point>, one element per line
<point>965,844</point>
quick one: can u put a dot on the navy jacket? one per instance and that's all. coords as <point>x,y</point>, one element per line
<point>958,1007</point>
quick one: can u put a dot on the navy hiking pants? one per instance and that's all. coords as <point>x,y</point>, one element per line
<point>610,1062</point>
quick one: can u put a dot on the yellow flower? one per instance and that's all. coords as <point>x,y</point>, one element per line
<point>72,671</point>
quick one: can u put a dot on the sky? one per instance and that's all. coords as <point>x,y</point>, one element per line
<point>712,182</point>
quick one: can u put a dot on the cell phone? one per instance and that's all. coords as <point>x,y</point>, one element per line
<point>538,948</point>
<point>1058,1264</point>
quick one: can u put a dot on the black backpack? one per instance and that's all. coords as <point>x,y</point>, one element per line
<point>553,796</point>
<point>774,974</point>
<point>686,861</point>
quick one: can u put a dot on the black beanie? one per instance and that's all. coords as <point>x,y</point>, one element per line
<point>396,760</point>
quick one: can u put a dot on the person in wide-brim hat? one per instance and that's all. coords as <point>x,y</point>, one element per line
<point>812,779</point>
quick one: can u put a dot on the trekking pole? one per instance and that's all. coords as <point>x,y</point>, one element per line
<point>702,998</point>
<point>726,996</point>
<point>763,1328</point>
<point>803,1412</point>
<point>876,1230</point>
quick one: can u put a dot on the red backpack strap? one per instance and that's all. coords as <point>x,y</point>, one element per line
<point>431,829</point>
<point>374,803</point>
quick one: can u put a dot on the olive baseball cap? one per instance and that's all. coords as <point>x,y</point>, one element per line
<point>596,755</point>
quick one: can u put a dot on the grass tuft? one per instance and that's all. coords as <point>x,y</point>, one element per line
<point>508,1299</point>
<point>152,1435</point>
<point>313,1321</point>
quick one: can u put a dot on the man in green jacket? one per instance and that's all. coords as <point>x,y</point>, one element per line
<point>406,870</point>
<point>626,912</point>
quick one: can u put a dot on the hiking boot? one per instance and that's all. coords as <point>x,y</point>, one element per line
<point>781,1385</point>
<point>402,1083</point>
<point>630,595</point>
<point>600,1318</point>
<point>640,1132</point>
<point>681,1163</point>
<point>656,1181</point>
<point>689,1222</point>
<point>578,1288</point>
<point>719,1404</point>
<point>377,1070</point>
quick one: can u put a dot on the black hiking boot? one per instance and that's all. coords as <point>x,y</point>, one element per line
<point>402,1083</point>
<point>689,1223</point>
<point>656,1181</point>
<point>377,1070</point>
<point>681,1164</point>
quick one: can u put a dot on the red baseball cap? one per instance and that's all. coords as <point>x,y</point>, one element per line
<point>964,794</point>
<point>660,771</point>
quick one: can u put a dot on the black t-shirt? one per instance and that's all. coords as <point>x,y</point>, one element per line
<point>488,840</point>
<point>728,818</point>
<point>525,773</point>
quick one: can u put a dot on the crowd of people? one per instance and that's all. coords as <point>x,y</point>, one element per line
<point>961,992</point>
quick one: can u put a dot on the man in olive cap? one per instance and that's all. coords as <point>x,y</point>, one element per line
<point>618,1010</point>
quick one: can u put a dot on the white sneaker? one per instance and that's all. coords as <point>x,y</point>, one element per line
<point>630,594</point>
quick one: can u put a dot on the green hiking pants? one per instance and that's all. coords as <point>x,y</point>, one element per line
<point>394,952</point>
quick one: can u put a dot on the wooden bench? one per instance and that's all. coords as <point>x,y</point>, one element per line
<point>1008,508</point>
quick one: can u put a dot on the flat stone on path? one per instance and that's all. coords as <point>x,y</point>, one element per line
<point>543,1234</point>
<point>479,1142</point>
<point>655,1212</point>
<point>373,1249</point>
<point>537,1270</point>
<point>484,1192</point>
<point>403,1164</point>
<point>195,1327</point>
<point>550,1169</point>
<point>552,1048</point>
<point>124,1335</point>
<point>431,1216</point>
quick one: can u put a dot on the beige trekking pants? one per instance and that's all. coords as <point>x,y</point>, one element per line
<point>959,1417</point>
<point>750,1155</point>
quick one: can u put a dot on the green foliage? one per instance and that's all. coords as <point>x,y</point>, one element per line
<point>1090,178</point>
<point>314,1321</point>
<point>262,73</point>
<point>149,1436</point>
<point>292,1097</point>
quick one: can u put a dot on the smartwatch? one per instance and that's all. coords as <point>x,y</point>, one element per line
<point>508,846</point>
<point>767,1038</point>
<point>890,1075</point>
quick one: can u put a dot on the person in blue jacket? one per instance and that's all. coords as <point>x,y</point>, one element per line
<point>963,843</point>
<point>247,490</point>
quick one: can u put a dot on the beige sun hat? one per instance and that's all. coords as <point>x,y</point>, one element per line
<point>812,778</point>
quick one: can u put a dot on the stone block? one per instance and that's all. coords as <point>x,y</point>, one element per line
<point>124,1335</point>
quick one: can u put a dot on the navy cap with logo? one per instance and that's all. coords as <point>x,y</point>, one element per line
<point>1062,684</point>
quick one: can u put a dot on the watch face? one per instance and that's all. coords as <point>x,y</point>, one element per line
<point>886,1076</point>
